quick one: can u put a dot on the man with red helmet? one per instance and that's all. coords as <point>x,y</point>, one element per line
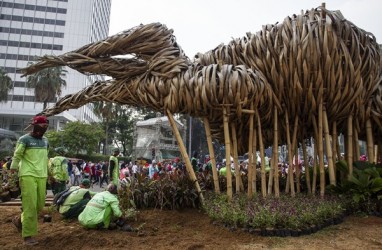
<point>30,160</point>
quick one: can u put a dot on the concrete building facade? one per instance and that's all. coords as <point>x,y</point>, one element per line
<point>32,28</point>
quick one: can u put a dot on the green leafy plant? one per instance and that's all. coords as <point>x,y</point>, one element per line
<point>364,185</point>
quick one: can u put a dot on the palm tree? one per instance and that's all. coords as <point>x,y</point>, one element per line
<point>5,85</point>
<point>106,111</point>
<point>47,84</point>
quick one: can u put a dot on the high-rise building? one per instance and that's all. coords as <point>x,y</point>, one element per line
<point>32,28</point>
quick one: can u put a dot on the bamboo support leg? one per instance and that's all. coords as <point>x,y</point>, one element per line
<point>275,154</point>
<point>290,156</point>
<point>334,145</point>
<point>332,176</point>
<point>250,154</point>
<point>212,155</point>
<point>370,143</point>
<point>349,149</point>
<point>185,156</point>
<point>262,169</point>
<point>295,154</point>
<point>356,150</point>
<point>227,153</point>
<point>315,165</point>
<point>254,162</point>
<point>321,150</point>
<point>235,158</point>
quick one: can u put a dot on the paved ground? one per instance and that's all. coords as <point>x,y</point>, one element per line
<point>95,188</point>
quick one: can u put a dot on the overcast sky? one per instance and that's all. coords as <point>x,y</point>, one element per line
<point>201,25</point>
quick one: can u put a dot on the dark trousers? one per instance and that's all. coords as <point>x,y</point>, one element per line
<point>104,178</point>
<point>58,186</point>
<point>76,209</point>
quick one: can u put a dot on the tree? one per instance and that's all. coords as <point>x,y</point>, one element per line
<point>146,113</point>
<point>77,137</point>
<point>5,85</point>
<point>106,111</point>
<point>123,126</point>
<point>47,84</point>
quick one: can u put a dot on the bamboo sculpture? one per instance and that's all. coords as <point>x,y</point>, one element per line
<point>290,69</point>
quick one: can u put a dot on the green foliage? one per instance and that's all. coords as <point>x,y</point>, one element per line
<point>7,147</point>
<point>47,84</point>
<point>364,185</point>
<point>284,212</point>
<point>170,192</point>
<point>5,85</point>
<point>77,137</point>
<point>122,127</point>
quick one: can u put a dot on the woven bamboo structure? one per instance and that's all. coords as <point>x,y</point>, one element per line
<point>316,71</point>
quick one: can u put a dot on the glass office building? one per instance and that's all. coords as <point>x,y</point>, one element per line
<point>32,28</point>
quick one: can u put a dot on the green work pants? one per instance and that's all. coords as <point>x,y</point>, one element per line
<point>33,192</point>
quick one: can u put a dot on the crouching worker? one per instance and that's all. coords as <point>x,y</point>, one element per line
<point>102,209</point>
<point>75,203</point>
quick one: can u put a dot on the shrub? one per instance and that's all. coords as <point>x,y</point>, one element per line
<point>284,212</point>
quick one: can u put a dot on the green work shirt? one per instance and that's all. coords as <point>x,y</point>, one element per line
<point>59,168</point>
<point>96,209</point>
<point>31,156</point>
<point>76,196</point>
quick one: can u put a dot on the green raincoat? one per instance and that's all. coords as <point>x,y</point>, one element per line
<point>100,210</point>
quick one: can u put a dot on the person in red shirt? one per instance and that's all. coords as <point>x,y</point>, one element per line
<point>87,171</point>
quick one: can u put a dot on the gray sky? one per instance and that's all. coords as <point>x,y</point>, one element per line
<point>201,25</point>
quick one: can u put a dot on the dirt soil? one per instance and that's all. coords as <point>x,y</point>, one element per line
<point>187,229</point>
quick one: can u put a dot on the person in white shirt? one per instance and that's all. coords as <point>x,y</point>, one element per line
<point>77,175</point>
<point>134,169</point>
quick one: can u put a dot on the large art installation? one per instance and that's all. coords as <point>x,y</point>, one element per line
<point>313,75</point>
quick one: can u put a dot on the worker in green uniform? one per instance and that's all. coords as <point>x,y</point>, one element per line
<point>102,209</point>
<point>114,167</point>
<point>75,203</point>
<point>58,170</point>
<point>30,160</point>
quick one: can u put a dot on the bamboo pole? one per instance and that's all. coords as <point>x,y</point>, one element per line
<point>370,143</point>
<point>236,159</point>
<point>293,150</point>
<point>227,153</point>
<point>275,160</point>
<point>249,167</point>
<point>185,156</point>
<point>321,150</point>
<point>307,170</point>
<point>379,155</point>
<point>295,154</point>
<point>334,144</point>
<point>262,169</point>
<point>314,181</point>
<point>349,149</point>
<point>290,168</point>
<point>212,154</point>
<point>356,150</point>
<point>254,161</point>
<point>332,176</point>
